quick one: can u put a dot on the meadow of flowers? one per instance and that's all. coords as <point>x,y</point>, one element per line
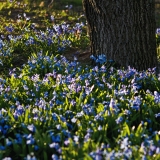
<point>53,108</point>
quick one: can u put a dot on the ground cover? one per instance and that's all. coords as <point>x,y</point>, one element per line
<point>19,18</point>
<point>53,106</point>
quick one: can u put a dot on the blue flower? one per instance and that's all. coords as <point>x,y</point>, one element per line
<point>157,115</point>
<point>54,145</point>
<point>56,138</point>
<point>31,127</point>
<point>100,128</point>
<point>66,142</point>
<point>36,147</point>
<point>158,150</point>
<point>87,137</point>
<point>73,120</point>
<point>76,139</point>
<point>144,157</point>
<point>55,157</point>
<point>8,142</point>
<point>119,120</point>
<point>30,157</point>
<point>99,117</point>
<point>54,116</point>
<point>113,106</point>
<point>93,57</point>
<point>136,103</point>
<point>10,28</point>
<point>18,139</point>
<point>52,18</point>
<point>2,148</point>
<point>69,6</point>
<point>58,126</point>
<point>156,97</point>
<point>124,143</point>
<point>157,30</point>
<point>101,59</point>
<point>30,139</point>
<point>127,112</point>
<point>4,129</point>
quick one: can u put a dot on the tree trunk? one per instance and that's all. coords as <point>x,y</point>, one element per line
<point>124,30</point>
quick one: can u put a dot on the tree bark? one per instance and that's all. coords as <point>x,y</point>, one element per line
<point>124,30</point>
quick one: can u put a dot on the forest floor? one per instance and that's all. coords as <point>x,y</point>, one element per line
<point>40,13</point>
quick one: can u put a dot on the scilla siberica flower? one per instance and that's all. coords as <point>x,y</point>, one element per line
<point>99,59</point>
<point>119,120</point>
<point>113,106</point>
<point>31,127</point>
<point>158,31</point>
<point>52,18</point>
<point>30,139</point>
<point>156,97</point>
<point>55,157</point>
<point>135,104</point>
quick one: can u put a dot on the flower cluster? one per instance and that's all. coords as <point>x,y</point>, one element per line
<point>58,104</point>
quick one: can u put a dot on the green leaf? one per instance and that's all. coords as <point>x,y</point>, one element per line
<point>126,129</point>
<point>80,98</point>
<point>45,157</point>
<point>26,116</point>
<point>87,157</point>
<point>139,130</point>
<point>11,115</point>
